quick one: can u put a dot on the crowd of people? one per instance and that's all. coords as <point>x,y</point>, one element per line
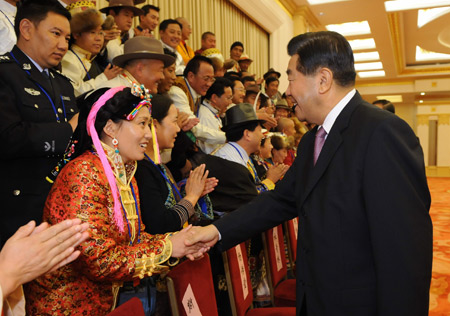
<point>126,151</point>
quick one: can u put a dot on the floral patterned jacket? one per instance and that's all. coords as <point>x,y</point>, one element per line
<point>89,285</point>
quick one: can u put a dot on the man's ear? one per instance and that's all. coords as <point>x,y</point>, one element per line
<point>325,79</point>
<point>214,98</point>
<point>246,134</point>
<point>190,76</point>
<point>27,28</point>
<point>110,129</point>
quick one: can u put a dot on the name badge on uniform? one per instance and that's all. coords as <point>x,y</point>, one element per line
<point>32,91</point>
<point>26,66</point>
<point>65,98</point>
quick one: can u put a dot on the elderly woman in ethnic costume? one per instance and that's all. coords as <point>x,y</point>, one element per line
<point>98,186</point>
<point>79,63</point>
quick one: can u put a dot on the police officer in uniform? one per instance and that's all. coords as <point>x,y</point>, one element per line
<point>38,112</point>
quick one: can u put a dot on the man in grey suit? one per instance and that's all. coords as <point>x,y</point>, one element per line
<point>359,189</point>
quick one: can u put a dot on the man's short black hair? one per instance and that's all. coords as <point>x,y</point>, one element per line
<point>218,88</point>
<point>247,78</point>
<point>146,8</point>
<point>324,49</point>
<point>170,53</point>
<point>233,80</point>
<point>237,43</point>
<point>270,80</point>
<point>194,64</point>
<point>205,35</point>
<point>164,24</point>
<point>36,11</point>
<point>234,134</point>
<point>387,105</point>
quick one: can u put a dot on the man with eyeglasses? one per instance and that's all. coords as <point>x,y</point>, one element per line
<point>187,91</point>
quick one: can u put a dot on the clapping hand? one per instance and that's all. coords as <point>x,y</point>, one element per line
<point>33,251</point>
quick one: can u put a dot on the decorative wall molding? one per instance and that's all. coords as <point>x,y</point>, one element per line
<point>423,119</point>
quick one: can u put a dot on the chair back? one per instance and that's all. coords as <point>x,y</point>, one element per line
<point>191,289</point>
<point>275,256</point>
<point>238,279</point>
<point>292,233</point>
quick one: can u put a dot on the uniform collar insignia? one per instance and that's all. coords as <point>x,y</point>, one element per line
<point>4,57</point>
<point>26,66</point>
<point>32,91</point>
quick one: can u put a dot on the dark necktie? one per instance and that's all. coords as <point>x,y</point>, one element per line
<point>318,144</point>
<point>49,80</point>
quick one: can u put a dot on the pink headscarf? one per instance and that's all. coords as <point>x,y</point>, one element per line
<point>118,217</point>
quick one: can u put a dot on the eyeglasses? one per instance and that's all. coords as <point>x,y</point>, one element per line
<point>209,79</point>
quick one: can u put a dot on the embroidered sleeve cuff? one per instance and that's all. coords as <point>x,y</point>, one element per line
<point>187,207</point>
<point>149,265</point>
<point>269,184</point>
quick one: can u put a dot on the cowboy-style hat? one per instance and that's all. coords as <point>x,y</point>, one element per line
<point>282,104</point>
<point>245,57</point>
<point>128,4</point>
<point>271,71</point>
<point>142,47</point>
<point>240,115</point>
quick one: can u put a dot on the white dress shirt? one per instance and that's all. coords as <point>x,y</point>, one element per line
<point>209,117</point>
<point>7,34</point>
<point>179,62</point>
<point>334,113</point>
<point>233,152</point>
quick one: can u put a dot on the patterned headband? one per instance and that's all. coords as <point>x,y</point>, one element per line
<point>141,92</point>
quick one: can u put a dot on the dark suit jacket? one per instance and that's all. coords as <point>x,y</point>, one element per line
<point>236,188</point>
<point>31,140</point>
<point>365,234</point>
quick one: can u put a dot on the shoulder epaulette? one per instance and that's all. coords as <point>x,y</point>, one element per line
<point>5,59</point>
<point>62,75</point>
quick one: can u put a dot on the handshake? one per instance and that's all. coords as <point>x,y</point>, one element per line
<point>194,241</point>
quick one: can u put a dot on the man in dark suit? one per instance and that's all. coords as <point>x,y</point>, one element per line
<point>365,234</point>
<point>38,112</point>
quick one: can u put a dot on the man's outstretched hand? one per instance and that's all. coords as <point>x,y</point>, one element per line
<point>207,236</point>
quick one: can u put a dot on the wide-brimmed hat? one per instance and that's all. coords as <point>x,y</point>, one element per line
<point>282,104</point>
<point>245,57</point>
<point>128,4</point>
<point>142,47</point>
<point>271,71</point>
<point>239,115</point>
